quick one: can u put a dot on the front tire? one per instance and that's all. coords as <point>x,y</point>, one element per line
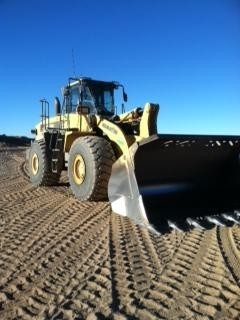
<point>39,164</point>
<point>89,167</point>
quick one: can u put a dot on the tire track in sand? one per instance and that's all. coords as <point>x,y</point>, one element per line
<point>62,259</point>
<point>193,283</point>
<point>229,243</point>
<point>49,263</point>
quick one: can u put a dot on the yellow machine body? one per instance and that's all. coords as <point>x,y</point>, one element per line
<point>153,177</point>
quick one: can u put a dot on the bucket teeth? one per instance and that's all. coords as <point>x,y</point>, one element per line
<point>153,230</point>
<point>195,223</point>
<point>231,217</point>
<point>237,213</point>
<point>215,220</point>
<point>200,223</point>
<point>173,225</point>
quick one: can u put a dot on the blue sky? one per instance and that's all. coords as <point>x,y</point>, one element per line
<point>185,55</point>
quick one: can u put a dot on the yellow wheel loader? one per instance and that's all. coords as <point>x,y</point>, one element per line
<point>158,180</point>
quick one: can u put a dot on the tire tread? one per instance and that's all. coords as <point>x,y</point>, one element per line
<point>103,157</point>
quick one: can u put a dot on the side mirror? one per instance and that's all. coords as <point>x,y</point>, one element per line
<point>57,105</point>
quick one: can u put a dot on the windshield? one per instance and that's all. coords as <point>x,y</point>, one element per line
<point>104,100</point>
<point>98,98</point>
<point>87,100</point>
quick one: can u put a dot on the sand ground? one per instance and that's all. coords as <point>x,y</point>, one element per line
<point>63,259</point>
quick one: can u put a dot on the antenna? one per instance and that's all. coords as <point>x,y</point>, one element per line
<point>73,63</point>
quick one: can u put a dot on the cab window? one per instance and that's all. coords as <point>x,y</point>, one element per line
<point>104,101</point>
<point>74,99</point>
<point>108,100</point>
<point>87,99</point>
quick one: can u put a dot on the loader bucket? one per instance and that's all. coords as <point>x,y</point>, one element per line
<point>176,176</point>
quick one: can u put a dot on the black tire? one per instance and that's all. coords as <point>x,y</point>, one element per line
<point>89,167</point>
<point>39,165</point>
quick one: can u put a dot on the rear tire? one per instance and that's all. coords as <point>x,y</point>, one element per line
<point>89,167</point>
<point>39,165</point>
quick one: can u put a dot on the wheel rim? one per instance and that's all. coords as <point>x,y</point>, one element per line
<point>35,164</point>
<point>79,170</point>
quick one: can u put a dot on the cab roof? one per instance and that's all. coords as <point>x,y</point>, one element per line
<point>93,82</point>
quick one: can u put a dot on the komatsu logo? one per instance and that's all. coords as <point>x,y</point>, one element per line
<point>109,128</point>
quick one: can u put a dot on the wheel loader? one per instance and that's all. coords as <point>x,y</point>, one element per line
<point>158,180</point>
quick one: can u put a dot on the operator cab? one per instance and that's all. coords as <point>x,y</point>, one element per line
<point>97,97</point>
